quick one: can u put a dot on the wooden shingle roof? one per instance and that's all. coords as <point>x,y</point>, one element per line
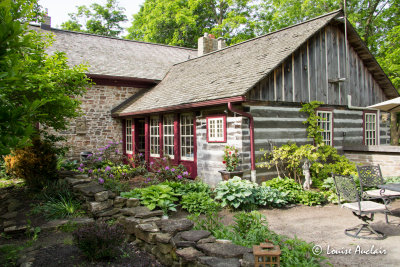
<point>117,57</point>
<point>225,73</point>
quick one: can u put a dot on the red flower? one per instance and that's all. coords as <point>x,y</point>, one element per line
<point>224,162</point>
<point>230,152</point>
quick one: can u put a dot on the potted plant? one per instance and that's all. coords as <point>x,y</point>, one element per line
<point>231,161</point>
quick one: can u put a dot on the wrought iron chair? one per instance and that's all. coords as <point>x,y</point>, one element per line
<point>371,176</point>
<point>347,190</point>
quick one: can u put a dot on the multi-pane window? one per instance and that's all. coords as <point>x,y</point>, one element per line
<point>154,137</point>
<point>128,136</point>
<point>186,130</point>
<point>216,129</point>
<point>370,135</point>
<point>141,136</point>
<point>326,124</point>
<point>168,133</point>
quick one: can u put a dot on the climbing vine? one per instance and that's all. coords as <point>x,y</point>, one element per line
<point>313,129</point>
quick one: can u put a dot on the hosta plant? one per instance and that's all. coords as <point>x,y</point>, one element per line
<point>199,202</point>
<point>157,195</point>
<point>271,197</point>
<point>236,193</point>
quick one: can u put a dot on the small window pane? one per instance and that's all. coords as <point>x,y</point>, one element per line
<point>325,123</point>
<point>370,129</point>
<point>128,135</point>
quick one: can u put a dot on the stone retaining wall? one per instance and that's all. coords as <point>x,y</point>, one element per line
<point>172,242</point>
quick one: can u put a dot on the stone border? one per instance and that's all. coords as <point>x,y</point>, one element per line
<point>172,242</point>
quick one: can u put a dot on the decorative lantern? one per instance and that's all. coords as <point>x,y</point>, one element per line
<point>266,255</point>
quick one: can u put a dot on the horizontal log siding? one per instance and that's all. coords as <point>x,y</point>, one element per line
<point>304,75</point>
<point>276,125</point>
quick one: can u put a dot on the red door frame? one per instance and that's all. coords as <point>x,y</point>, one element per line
<point>190,165</point>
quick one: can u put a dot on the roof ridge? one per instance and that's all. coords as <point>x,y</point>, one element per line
<point>116,38</point>
<point>262,36</point>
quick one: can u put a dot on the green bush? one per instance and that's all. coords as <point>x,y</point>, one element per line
<point>194,187</point>
<point>134,193</point>
<point>199,202</point>
<point>36,164</point>
<point>157,196</point>
<point>312,198</point>
<point>270,197</point>
<point>287,186</point>
<point>100,240</point>
<point>59,208</point>
<point>395,179</point>
<point>236,193</point>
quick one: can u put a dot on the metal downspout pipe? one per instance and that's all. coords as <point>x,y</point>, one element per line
<point>251,128</point>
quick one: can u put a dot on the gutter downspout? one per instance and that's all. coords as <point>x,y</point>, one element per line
<point>251,128</point>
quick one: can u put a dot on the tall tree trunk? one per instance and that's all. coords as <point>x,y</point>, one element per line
<point>394,129</point>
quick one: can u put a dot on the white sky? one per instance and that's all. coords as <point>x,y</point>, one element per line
<point>58,9</point>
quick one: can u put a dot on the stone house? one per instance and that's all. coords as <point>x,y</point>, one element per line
<point>193,103</point>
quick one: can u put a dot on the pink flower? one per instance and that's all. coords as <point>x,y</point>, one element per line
<point>101,181</point>
<point>117,151</point>
<point>90,171</point>
<point>185,173</point>
<point>107,169</point>
<point>111,176</point>
<point>151,163</point>
<point>167,168</point>
<point>81,165</point>
<point>173,169</point>
<point>80,169</point>
<point>179,176</point>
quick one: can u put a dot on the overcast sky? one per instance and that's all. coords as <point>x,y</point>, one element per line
<point>58,9</point>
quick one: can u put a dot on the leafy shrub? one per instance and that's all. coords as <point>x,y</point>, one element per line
<point>36,164</point>
<point>287,186</point>
<point>271,197</point>
<point>194,187</point>
<point>115,185</point>
<point>198,202</point>
<point>311,198</point>
<point>157,195</point>
<point>395,179</point>
<point>134,193</point>
<point>100,240</point>
<point>236,193</point>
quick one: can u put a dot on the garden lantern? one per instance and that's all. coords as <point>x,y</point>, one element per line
<point>266,255</point>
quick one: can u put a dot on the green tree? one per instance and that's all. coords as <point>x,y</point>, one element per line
<point>182,22</point>
<point>102,20</point>
<point>34,87</point>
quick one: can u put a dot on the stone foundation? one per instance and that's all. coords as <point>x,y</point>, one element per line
<point>172,242</point>
<point>388,157</point>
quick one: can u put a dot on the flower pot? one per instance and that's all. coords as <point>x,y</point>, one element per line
<point>228,175</point>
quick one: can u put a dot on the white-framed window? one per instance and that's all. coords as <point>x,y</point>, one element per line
<point>370,129</point>
<point>154,137</point>
<point>168,132</point>
<point>128,136</point>
<point>216,129</point>
<point>326,124</point>
<point>186,131</point>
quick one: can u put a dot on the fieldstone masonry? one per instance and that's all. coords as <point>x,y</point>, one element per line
<point>173,242</point>
<point>96,127</point>
<point>210,155</point>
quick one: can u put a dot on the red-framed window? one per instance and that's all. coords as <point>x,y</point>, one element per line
<point>187,137</point>
<point>168,135</point>
<point>154,137</point>
<point>326,124</point>
<point>128,136</point>
<point>216,129</point>
<point>370,128</point>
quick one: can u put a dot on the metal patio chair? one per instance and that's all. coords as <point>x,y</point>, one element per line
<point>364,210</point>
<point>371,176</point>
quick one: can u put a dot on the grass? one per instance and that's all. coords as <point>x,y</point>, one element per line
<point>6,182</point>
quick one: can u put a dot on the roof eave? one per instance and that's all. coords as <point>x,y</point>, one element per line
<point>207,103</point>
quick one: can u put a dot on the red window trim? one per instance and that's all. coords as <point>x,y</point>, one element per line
<point>363,125</point>
<point>223,116</point>
<point>333,122</point>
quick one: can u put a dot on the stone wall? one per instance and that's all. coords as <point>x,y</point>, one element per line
<point>210,155</point>
<point>96,127</point>
<point>388,157</point>
<point>171,241</point>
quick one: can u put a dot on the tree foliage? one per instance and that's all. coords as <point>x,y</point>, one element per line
<point>182,22</point>
<point>98,19</point>
<point>34,87</point>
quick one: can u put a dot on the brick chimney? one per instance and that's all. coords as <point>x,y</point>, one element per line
<point>208,44</point>
<point>46,24</point>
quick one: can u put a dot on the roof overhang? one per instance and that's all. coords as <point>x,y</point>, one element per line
<point>122,81</point>
<point>207,103</point>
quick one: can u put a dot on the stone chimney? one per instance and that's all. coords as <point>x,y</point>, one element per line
<point>208,44</point>
<point>46,24</point>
